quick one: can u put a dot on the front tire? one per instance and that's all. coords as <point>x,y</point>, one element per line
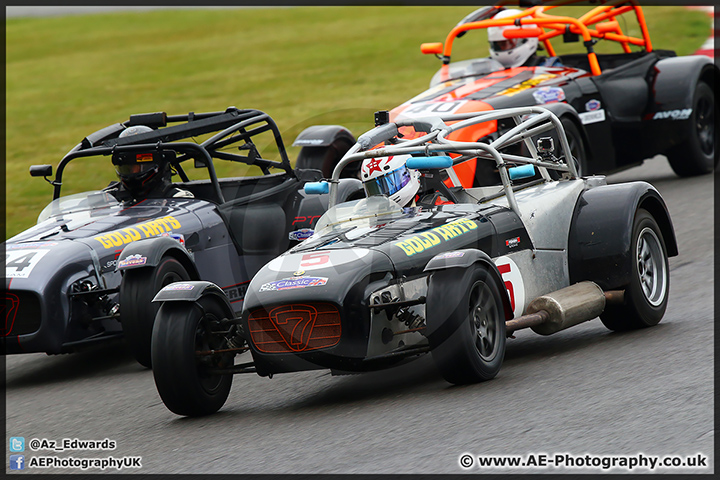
<point>468,343</point>
<point>137,312</point>
<point>647,294</point>
<point>698,154</point>
<point>181,376</point>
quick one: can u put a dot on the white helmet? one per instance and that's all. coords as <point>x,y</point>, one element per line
<point>511,52</point>
<point>390,177</point>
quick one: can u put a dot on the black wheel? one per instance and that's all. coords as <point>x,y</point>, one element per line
<point>697,155</point>
<point>325,159</point>
<point>577,146</point>
<point>137,312</point>
<point>647,294</point>
<point>182,378</point>
<point>468,341</point>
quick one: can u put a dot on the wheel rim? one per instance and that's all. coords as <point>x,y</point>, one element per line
<point>651,267</point>
<point>204,340</point>
<point>484,316</point>
<point>705,124</point>
<point>170,277</point>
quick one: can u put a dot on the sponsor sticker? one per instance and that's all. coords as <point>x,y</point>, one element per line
<point>179,286</point>
<point>512,242</point>
<point>683,114</point>
<point>544,95</point>
<point>450,255</point>
<point>592,105</point>
<point>592,117</point>
<point>132,261</point>
<point>20,263</point>
<point>153,228</point>
<point>177,236</point>
<point>302,234</point>
<point>17,246</point>
<point>292,283</point>
<point>436,236</point>
<point>309,141</point>
<point>527,84</point>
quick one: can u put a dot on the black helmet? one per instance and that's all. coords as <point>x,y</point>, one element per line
<point>140,172</point>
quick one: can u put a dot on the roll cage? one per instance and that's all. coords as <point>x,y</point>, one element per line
<point>535,22</point>
<point>233,126</point>
<point>385,140</point>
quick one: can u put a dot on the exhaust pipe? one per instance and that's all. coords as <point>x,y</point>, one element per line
<point>561,309</point>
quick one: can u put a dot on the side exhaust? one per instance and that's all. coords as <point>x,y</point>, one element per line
<point>564,308</point>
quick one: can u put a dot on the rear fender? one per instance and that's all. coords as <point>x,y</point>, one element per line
<point>673,85</point>
<point>322,136</point>
<point>599,241</point>
<point>148,253</point>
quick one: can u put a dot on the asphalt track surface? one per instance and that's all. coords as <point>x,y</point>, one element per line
<point>582,391</point>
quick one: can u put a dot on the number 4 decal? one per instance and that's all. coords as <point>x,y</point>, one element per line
<point>19,263</point>
<point>513,283</point>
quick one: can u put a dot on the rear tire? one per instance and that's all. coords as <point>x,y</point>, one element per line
<point>698,154</point>
<point>181,377</point>
<point>471,343</point>
<point>577,146</point>
<point>326,158</point>
<point>646,296</point>
<point>137,312</point>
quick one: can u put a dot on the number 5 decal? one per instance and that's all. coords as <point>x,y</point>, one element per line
<point>314,260</point>
<point>513,283</point>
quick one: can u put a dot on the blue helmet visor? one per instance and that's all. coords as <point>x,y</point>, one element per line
<point>389,183</point>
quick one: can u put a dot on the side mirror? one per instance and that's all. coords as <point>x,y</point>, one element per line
<point>41,171</point>
<point>428,48</point>
<point>429,163</point>
<point>316,188</point>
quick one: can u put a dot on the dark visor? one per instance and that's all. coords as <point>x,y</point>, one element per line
<point>503,45</point>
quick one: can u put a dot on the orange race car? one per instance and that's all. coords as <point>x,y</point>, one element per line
<point>617,108</point>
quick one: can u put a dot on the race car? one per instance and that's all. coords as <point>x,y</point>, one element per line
<point>453,274</point>
<point>88,270</point>
<point>617,108</point>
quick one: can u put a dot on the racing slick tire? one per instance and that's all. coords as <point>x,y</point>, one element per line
<point>646,296</point>
<point>137,312</point>
<point>181,377</point>
<point>472,347</point>
<point>325,159</point>
<point>698,154</point>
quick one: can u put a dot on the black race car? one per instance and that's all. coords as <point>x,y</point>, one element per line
<point>617,108</point>
<point>452,275</point>
<point>88,270</point>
